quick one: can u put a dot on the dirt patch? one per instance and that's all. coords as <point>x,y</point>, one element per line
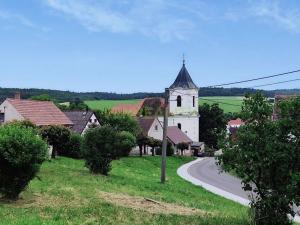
<point>71,198</point>
<point>148,205</point>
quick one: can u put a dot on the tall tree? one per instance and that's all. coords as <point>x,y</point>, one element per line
<point>266,156</point>
<point>211,123</point>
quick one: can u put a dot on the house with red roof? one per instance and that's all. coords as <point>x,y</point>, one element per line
<point>40,113</point>
<point>233,126</point>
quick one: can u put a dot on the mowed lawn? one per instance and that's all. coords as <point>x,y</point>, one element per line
<point>67,193</point>
<point>227,103</point>
<point>108,104</point>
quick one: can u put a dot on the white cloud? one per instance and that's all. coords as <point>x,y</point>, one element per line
<point>155,18</point>
<point>93,18</point>
<point>15,18</point>
<point>5,15</point>
<point>274,13</point>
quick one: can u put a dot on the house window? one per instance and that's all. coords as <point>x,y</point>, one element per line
<point>179,101</point>
<point>179,125</point>
<point>156,127</point>
<point>95,120</point>
<point>90,120</point>
<point>193,101</point>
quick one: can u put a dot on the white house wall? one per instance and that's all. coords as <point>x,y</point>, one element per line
<point>10,113</point>
<point>157,134</point>
<point>189,125</point>
<point>93,120</point>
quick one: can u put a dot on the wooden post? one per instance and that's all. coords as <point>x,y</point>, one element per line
<point>165,142</point>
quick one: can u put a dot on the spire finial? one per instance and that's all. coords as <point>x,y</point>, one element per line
<point>183,59</point>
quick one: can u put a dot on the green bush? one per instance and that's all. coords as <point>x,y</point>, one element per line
<point>72,148</point>
<point>125,141</point>
<point>23,124</point>
<point>99,149</point>
<point>21,155</point>
<point>57,136</point>
<point>170,150</point>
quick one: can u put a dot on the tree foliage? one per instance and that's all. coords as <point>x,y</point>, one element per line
<point>124,142</point>
<point>266,156</point>
<point>57,136</point>
<point>72,148</point>
<point>183,146</point>
<point>21,154</point>
<point>119,121</point>
<point>212,123</point>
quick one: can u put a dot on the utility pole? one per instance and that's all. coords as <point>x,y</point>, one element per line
<point>165,142</point>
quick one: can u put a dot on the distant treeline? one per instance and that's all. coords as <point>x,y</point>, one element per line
<point>67,96</point>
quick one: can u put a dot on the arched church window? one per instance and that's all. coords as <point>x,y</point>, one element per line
<point>193,101</point>
<point>179,101</point>
<point>179,125</point>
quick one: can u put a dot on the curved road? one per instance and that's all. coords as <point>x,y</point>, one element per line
<point>208,172</point>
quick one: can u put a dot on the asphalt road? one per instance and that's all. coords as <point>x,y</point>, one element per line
<point>208,172</point>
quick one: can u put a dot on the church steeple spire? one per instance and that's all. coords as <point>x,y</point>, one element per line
<point>184,79</point>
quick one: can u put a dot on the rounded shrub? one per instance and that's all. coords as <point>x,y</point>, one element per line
<point>21,155</point>
<point>99,149</point>
<point>72,148</point>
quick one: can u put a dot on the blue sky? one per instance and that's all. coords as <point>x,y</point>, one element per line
<point>129,46</point>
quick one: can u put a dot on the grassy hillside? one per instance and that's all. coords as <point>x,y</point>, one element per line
<point>227,103</point>
<point>68,194</point>
<point>108,104</point>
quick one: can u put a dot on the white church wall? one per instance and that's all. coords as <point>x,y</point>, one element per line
<point>187,96</point>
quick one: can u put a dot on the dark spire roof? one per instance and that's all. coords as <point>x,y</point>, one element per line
<point>184,79</point>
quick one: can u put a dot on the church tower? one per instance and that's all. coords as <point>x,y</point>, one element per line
<point>183,104</point>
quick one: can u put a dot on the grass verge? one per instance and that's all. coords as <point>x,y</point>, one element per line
<point>68,194</point>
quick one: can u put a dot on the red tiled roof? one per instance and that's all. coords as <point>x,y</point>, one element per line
<point>237,122</point>
<point>41,113</point>
<point>176,136</point>
<point>131,109</point>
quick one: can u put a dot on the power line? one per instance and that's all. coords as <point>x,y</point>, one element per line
<point>280,82</point>
<point>254,79</point>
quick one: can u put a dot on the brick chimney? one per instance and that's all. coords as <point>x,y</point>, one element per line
<point>18,95</point>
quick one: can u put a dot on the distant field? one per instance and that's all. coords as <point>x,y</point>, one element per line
<point>108,104</point>
<point>227,103</point>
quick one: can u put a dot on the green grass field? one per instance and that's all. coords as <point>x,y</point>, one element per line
<point>67,193</point>
<point>108,104</point>
<point>228,104</point>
